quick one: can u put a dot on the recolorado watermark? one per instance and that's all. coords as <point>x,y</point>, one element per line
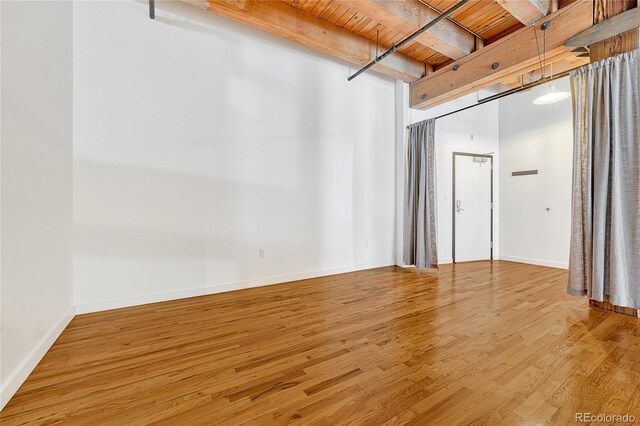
<point>605,418</point>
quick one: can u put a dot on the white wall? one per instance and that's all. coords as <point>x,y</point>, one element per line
<point>199,141</point>
<point>36,183</point>
<point>474,130</point>
<point>536,137</point>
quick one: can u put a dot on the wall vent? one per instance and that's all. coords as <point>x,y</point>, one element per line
<point>524,172</point>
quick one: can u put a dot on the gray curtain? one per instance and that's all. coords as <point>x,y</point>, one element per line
<point>420,211</point>
<point>605,236</point>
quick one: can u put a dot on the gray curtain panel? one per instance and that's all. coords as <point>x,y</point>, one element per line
<point>605,225</point>
<point>420,247</point>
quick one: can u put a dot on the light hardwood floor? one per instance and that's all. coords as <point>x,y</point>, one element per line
<point>481,343</point>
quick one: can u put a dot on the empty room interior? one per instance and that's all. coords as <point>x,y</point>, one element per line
<point>328,212</point>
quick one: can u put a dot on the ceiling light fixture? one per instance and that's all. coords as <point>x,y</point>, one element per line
<point>551,97</point>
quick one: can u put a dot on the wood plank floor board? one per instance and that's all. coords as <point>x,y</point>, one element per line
<point>474,343</point>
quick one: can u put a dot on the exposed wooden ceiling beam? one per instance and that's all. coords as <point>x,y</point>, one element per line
<point>608,28</point>
<point>528,11</point>
<point>567,63</point>
<point>620,43</point>
<point>511,54</point>
<point>554,61</point>
<point>406,16</point>
<point>285,21</point>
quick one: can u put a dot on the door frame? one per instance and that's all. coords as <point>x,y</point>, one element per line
<point>453,201</point>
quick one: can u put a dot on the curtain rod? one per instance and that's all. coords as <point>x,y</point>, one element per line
<point>500,95</point>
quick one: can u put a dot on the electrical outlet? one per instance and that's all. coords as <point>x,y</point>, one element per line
<point>261,253</point>
<point>366,243</point>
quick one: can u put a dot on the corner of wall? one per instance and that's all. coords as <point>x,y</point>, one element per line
<point>13,383</point>
<point>36,177</point>
<point>402,120</point>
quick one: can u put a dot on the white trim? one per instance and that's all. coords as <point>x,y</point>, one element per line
<point>401,121</point>
<point>549,263</point>
<point>124,302</point>
<point>13,383</point>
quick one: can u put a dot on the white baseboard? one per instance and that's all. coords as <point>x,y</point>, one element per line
<point>550,263</point>
<point>13,383</point>
<point>86,308</point>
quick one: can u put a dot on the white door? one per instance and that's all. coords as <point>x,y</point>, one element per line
<point>472,208</point>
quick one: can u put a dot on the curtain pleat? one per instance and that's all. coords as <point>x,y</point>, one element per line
<point>604,262</point>
<point>420,248</point>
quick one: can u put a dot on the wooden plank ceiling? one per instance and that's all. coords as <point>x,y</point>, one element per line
<point>352,30</point>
